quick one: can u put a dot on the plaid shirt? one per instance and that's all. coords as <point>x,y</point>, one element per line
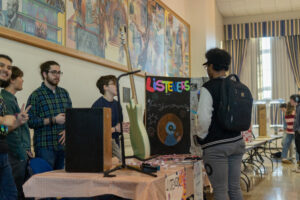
<point>46,103</point>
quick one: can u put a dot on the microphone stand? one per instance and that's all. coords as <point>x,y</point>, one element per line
<point>124,165</point>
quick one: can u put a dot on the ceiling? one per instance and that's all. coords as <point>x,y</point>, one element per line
<point>235,8</point>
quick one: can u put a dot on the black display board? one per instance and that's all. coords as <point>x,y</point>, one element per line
<point>168,114</point>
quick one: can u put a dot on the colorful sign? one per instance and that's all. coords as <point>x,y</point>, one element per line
<point>161,85</point>
<point>171,110</point>
<point>176,186</point>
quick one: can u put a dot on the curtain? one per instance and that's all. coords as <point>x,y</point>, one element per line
<point>293,48</point>
<point>283,81</point>
<point>237,50</point>
<point>249,69</point>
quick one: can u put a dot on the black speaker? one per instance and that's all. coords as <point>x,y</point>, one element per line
<point>88,140</point>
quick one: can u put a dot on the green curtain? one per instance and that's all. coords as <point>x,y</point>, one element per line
<point>237,49</point>
<point>293,48</point>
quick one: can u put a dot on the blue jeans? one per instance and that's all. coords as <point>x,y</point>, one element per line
<point>283,139</point>
<point>19,171</point>
<point>56,158</point>
<point>223,167</point>
<point>8,190</point>
<point>286,145</point>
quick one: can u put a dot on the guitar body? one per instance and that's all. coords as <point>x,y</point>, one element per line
<point>138,134</point>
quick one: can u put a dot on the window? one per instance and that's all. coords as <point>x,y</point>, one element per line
<point>264,71</point>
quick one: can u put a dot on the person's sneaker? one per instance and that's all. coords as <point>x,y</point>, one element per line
<point>286,161</point>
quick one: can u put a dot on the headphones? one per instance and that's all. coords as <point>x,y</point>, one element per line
<point>297,98</point>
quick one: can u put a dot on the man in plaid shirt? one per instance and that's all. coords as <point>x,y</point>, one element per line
<point>47,116</point>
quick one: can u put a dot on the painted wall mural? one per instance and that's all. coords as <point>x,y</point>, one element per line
<point>146,36</point>
<point>158,40</point>
<point>93,27</point>
<point>41,18</point>
<point>177,47</point>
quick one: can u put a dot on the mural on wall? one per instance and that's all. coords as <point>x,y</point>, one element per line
<point>146,36</point>
<point>93,27</point>
<point>177,53</point>
<point>158,40</point>
<point>41,18</point>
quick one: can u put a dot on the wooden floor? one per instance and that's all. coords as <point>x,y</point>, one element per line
<point>279,184</point>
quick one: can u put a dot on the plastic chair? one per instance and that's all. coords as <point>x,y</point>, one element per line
<point>39,165</point>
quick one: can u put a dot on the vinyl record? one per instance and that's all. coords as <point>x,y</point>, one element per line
<point>169,129</point>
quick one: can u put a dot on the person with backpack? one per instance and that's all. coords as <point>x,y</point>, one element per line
<point>224,110</point>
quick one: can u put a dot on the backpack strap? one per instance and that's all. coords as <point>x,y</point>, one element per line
<point>237,79</point>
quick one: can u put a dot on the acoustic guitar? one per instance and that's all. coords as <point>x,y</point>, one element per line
<point>138,134</point>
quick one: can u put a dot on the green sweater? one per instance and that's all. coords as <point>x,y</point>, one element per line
<point>19,139</point>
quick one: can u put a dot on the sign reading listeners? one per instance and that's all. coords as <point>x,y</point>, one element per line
<point>171,107</point>
<point>157,84</point>
<point>167,114</point>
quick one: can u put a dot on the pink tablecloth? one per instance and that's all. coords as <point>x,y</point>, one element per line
<point>127,184</point>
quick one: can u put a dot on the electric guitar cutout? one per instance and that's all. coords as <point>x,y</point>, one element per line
<point>138,134</point>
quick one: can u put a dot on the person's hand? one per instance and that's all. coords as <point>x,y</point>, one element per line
<point>60,118</point>
<point>9,120</point>
<point>29,153</point>
<point>118,128</point>
<point>62,138</point>
<point>22,117</point>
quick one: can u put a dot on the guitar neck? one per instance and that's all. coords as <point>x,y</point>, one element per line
<point>130,76</point>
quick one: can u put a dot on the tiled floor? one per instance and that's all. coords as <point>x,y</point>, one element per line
<point>281,184</point>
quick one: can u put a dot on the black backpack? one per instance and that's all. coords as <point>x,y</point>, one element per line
<point>235,108</point>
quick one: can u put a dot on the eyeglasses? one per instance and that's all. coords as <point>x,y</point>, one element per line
<point>54,72</point>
